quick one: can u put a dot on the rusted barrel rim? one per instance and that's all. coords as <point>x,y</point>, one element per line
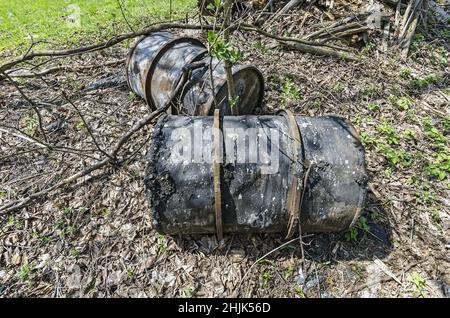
<point>223,82</point>
<point>151,68</point>
<point>131,52</point>
<point>354,133</point>
<point>129,55</point>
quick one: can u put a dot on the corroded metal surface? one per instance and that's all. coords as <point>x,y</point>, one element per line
<point>140,59</point>
<point>181,194</point>
<point>199,98</point>
<point>156,63</point>
<point>168,69</point>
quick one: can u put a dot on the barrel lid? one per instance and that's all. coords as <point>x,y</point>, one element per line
<point>249,85</point>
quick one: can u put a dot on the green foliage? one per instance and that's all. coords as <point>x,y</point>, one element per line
<point>11,220</point>
<point>300,292</point>
<point>24,273</point>
<point>41,237</point>
<point>261,48</point>
<point>51,22</point>
<point>436,217</point>
<point>409,134</point>
<point>289,90</point>
<point>439,168</point>
<point>31,124</point>
<point>436,135</point>
<point>162,244</point>
<point>187,293</point>
<point>368,48</point>
<point>374,107</point>
<point>234,102</point>
<point>395,156</point>
<point>223,50</point>
<point>417,281</point>
<point>361,225</point>
<point>132,95</point>
<point>425,82</point>
<point>405,72</point>
<point>265,278</point>
<point>215,5</point>
<point>351,235</point>
<point>289,272</point>
<point>389,132</point>
<point>425,196</point>
<point>403,103</point>
<point>338,87</point>
<point>369,90</point>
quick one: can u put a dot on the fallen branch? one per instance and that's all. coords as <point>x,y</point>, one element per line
<point>32,104</point>
<point>110,159</point>
<point>15,205</point>
<point>29,55</point>
<point>291,4</point>
<point>382,280</point>
<point>56,69</point>
<point>321,51</point>
<point>409,24</point>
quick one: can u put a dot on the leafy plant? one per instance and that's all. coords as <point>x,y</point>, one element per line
<point>223,50</point>
<point>289,272</point>
<point>403,103</point>
<point>289,90</point>
<point>11,220</point>
<point>389,132</point>
<point>425,82</point>
<point>215,5</point>
<point>417,281</point>
<point>162,244</point>
<point>436,135</point>
<point>187,293</point>
<point>265,278</point>
<point>436,217</point>
<point>395,156</point>
<point>300,292</point>
<point>405,72</point>
<point>369,90</point>
<point>261,48</point>
<point>352,234</point>
<point>426,197</point>
<point>439,168</point>
<point>31,124</point>
<point>24,273</point>
<point>338,87</point>
<point>409,134</point>
<point>373,107</point>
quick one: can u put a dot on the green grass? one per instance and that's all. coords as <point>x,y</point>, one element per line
<point>54,22</point>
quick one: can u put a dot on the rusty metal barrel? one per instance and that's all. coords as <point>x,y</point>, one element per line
<point>155,66</point>
<point>198,97</point>
<point>262,165</point>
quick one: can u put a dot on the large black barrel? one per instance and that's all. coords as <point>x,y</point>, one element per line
<point>155,66</point>
<point>258,171</point>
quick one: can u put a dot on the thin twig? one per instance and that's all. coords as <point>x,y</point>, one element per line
<point>86,125</point>
<point>33,105</point>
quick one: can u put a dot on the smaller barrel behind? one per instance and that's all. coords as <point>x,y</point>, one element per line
<point>140,59</point>
<point>199,97</point>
